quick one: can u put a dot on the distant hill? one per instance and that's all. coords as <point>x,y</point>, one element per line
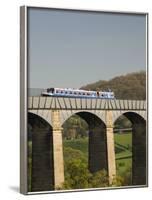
<point>129,86</point>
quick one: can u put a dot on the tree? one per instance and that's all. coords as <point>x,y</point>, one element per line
<point>77,175</point>
<point>75,127</point>
<point>130,86</point>
<point>99,179</point>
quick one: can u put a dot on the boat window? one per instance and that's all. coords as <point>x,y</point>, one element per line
<point>48,90</point>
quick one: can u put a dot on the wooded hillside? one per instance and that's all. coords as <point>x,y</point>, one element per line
<point>130,86</point>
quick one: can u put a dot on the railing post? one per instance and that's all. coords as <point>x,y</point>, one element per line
<point>110,147</point>
<point>57,149</point>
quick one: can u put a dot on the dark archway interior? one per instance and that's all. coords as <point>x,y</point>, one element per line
<point>97,148</point>
<point>97,142</point>
<point>40,142</point>
<point>138,148</point>
<point>138,130</point>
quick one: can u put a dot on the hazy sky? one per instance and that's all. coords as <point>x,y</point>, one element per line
<point>71,49</point>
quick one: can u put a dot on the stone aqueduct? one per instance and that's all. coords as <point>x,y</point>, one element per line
<point>100,114</point>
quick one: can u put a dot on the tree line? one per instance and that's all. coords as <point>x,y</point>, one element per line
<point>130,86</point>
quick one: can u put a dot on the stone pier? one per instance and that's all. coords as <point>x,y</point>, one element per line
<point>42,160</point>
<point>110,147</point>
<point>57,149</point>
<point>97,148</point>
<point>139,154</point>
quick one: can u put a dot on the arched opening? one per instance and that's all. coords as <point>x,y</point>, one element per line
<point>40,154</point>
<point>130,148</point>
<point>85,151</point>
<point>123,148</point>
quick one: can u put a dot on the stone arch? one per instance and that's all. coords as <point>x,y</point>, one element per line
<point>66,114</point>
<point>97,145</point>
<point>44,114</point>
<point>42,178</point>
<point>117,114</point>
<point>139,141</point>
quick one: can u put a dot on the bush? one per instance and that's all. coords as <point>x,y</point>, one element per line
<point>121,164</point>
<point>99,179</point>
<point>76,175</point>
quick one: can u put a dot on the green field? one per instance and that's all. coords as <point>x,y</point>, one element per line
<point>78,144</point>
<point>123,150</point>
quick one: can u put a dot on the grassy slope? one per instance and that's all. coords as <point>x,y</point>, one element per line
<point>124,143</point>
<point>123,158</point>
<point>78,144</point>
